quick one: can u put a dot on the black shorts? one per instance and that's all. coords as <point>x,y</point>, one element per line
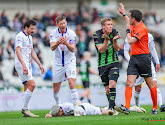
<point>109,72</point>
<point>85,84</point>
<point>140,65</point>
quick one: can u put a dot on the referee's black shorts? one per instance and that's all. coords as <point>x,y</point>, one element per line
<point>140,65</point>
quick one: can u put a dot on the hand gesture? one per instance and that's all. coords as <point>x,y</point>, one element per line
<point>157,67</point>
<point>60,41</point>
<point>106,37</point>
<point>42,69</point>
<point>121,9</point>
<point>65,42</point>
<point>116,37</point>
<point>25,70</point>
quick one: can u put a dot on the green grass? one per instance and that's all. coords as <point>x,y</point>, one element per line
<point>16,118</point>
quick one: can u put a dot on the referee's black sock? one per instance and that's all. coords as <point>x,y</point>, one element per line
<point>112,96</point>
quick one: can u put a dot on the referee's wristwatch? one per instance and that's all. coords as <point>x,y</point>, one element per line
<point>124,15</point>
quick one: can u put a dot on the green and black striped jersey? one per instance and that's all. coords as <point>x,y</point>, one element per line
<point>109,56</point>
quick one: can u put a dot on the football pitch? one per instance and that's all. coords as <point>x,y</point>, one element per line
<point>16,118</point>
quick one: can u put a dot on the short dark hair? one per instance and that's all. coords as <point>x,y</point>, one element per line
<point>136,14</point>
<point>59,18</point>
<point>29,22</point>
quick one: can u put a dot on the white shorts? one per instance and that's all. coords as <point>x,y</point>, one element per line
<point>24,78</point>
<point>63,73</point>
<point>90,109</point>
<point>140,79</point>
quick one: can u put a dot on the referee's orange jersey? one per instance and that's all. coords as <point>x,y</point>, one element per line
<point>140,32</point>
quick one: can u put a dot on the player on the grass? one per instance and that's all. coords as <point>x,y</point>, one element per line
<point>67,109</point>
<point>63,43</point>
<point>140,61</point>
<point>23,53</point>
<point>140,80</point>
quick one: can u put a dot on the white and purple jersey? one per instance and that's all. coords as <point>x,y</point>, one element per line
<point>84,109</point>
<point>26,44</point>
<point>62,54</point>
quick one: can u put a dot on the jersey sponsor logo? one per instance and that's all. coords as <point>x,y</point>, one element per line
<point>111,36</point>
<point>95,37</point>
<point>137,34</point>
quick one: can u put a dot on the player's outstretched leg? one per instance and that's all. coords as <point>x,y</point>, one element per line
<point>122,109</point>
<point>27,113</point>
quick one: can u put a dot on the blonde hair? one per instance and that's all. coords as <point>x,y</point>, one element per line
<point>104,20</point>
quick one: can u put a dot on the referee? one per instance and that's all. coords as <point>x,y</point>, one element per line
<point>140,62</point>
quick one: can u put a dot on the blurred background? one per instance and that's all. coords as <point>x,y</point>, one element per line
<point>84,18</point>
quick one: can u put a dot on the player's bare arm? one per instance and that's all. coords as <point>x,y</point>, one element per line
<point>19,55</point>
<point>71,46</point>
<point>54,45</point>
<point>157,67</point>
<point>116,46</point>
<point>34,56</point>
<point>92,71</point>
<point>122,12</point>
<point>103,47</point>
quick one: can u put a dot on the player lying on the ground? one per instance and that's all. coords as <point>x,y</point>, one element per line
<point>67,109</point>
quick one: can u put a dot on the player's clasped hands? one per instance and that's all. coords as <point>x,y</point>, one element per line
<point>117,37</point>
<point>63,40</point>
<point>106,37</point>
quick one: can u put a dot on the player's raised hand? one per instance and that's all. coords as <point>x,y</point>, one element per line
<point>106,36</point>
<point>121,9</point>
<point>157,67</point>
<point>42,69</point>
<point>116,37</point>
<point>25,70</point>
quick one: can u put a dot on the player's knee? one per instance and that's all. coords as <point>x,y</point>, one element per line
<point>112,84</point>
<point>138,88</point>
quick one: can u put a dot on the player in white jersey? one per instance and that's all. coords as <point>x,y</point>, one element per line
<point>67,109</point>
<point>23,53</point>
<point>63,43</point>
<point>140,80</point>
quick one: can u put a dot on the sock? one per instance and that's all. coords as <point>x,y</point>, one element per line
<point>57,98</point>
<point>26,98</point>
<point>154,97</point>
<point>74,96</point>
<point>112,96</point>
<point>81,98</point>
<point>107,97</point>
<point>159,96</point>
<point>136,96</point>
<point>128,96</point>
